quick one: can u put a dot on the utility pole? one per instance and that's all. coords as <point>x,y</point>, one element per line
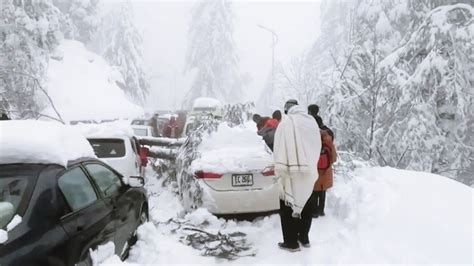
<point>274,43</point>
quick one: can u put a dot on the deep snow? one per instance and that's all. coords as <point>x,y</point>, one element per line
<point>380,215</point>
<point>84,87</point>
<point>232,149</point>
<point>51,143</point>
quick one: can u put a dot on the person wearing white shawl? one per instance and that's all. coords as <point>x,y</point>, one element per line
<point>297,146</point>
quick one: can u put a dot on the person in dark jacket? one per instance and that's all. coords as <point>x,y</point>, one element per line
<point>180,123</point>
<point>154,124</point>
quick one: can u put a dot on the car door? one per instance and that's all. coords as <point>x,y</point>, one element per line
<point>136,155</point>
<point>112,188</point>
<point>88,220</point>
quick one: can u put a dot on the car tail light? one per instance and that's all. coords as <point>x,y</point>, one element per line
<point>268,171</point>
<point>207,175</point>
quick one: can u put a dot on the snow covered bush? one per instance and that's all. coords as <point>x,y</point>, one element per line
<point>238,114</point>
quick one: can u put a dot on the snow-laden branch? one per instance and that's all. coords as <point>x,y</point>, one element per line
<point>38,84</point>
<point>167,142</point>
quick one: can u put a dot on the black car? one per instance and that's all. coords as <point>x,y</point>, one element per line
<point>67,212</point>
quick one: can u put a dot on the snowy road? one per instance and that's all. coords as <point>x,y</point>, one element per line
<point>380,216</point>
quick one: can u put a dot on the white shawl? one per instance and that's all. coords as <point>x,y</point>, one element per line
<point>297,146</point>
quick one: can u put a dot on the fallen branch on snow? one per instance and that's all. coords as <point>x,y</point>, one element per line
<point>221,245</point>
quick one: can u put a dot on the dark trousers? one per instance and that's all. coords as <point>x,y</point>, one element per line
<point>319,202</point>
<point>295,229</point>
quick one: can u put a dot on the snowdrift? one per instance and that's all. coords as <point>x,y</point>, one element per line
<point>373,215</point>
<point>83,86</point>
<point>222,151</point>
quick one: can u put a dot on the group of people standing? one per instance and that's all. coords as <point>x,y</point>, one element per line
<point>304,151</point>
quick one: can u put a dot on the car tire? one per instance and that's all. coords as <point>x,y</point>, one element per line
<point>143,218</point>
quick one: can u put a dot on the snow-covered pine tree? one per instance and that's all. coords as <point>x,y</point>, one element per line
<point>80,20</point>
<point>211,54</point>
<point>415,117</point>
<point>434,126</point>
<point>29,31</point>
<point>120,42</point>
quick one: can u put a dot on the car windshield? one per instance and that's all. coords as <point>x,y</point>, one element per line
<point>140,131</point>
<point>140,122</point>
<point>108,148</point>
<point>204,109</point>
<point>15,183</point>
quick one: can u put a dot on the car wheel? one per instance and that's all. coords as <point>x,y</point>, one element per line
<point>133,239</point>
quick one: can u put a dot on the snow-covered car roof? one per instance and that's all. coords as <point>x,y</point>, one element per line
<point>118,129</point>
<point>167,116</point>
<point>141,126</point>
<point>232,150</point>
<point>31,141</point>
<point>205,102</point>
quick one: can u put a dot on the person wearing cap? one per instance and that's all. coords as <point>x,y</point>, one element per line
<point>296,153</point>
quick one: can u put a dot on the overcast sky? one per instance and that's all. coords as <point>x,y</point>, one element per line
<point>164,25</point>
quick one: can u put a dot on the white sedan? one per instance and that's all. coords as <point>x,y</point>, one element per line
<point>235,171</point>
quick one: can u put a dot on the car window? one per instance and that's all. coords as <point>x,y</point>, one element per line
<point>140,122</point>
<point>108,148</point>
<point>12,191</point>
<point>134,145</point>
<point>77,189</point>
<point>108,182</point>
<point>16,186</point>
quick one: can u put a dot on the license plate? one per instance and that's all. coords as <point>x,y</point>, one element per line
<point>242,180</point>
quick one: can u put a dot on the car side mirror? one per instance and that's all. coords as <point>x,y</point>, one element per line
<point>136,181</point>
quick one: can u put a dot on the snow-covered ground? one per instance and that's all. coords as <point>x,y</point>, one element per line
<point>380,215</point>
<point>84,87</point>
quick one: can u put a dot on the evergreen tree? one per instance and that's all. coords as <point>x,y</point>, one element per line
<point>211,54</point>
<point>119,41</point>
<point>80,20</point>
<point>29,31</point>
<point>393,79</point>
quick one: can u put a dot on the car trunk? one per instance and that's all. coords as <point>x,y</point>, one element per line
<point>251,179</point>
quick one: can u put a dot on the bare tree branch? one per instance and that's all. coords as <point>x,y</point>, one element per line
<point>35,79</point>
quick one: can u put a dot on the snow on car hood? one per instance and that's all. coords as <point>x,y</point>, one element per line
<point>31,141</point>
<point>232,150</point>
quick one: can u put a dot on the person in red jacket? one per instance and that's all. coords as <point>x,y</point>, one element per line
<point>170,130</point>
<point>325,180</point>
